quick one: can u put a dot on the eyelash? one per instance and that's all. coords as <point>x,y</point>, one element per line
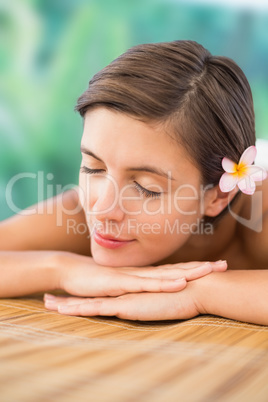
<point>141,190</point>
<point>145,192</point>
<point>87,170</point>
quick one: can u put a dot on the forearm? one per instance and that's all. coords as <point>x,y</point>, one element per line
<point>239,295</point>
<point>62,222</point>
<point>25,272</point>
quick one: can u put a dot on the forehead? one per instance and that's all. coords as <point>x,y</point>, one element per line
<point>118,138</point>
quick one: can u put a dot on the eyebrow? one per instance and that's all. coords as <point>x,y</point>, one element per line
<point>143,168</point>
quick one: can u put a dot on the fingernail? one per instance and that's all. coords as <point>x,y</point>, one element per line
<point>63,309</point>
<point>180,280</point>
<point>50,303</point>
<point>220,262</point>
<point>48,296</point>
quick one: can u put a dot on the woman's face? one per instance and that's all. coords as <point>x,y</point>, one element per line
<point>140,192</point>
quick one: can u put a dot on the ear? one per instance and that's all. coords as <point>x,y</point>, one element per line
<point>215,200</point>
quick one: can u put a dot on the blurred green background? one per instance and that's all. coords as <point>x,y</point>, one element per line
<point>49,49</point>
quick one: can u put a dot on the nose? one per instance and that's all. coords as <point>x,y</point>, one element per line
<point>105,204</point>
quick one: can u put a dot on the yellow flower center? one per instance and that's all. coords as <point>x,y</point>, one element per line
<point>241,169</point>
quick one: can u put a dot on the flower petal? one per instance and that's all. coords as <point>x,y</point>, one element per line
<point>227,182</point>
<point>247,185</point>
<point>248,156</point>
<point>228,165</point>
<point>257,173</point>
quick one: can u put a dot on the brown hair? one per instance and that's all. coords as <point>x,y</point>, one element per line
<point>205,99</point>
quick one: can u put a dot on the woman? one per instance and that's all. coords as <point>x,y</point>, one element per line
<point>166,196</point>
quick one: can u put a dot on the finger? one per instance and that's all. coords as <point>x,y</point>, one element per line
<point>198,272</point>
<point>135,284</point>
<point>205,269</point>
<point>58,299</point>
<point>189,265</point>
<point>153,271</point>
<point>131,307</point>
<point>220,265</point>
<point>48,296</point>
<point>52,303</point>
<point>171,271</point>
<point>94,307</point>
<point>192,271</point>
<point>216,265</point>
<point>161,272</point>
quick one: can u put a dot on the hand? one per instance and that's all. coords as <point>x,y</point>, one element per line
<point>190,270</point>
<point>81,276</point>
<point>136,306</point>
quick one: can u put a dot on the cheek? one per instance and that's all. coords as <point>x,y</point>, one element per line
<point>83,190</point>
<point>81,180</point>
<point>184,206</point>
<point>163,229</point>
<point>88,190</point>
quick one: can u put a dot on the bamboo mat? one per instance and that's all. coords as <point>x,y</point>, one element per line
<point>48,357</point>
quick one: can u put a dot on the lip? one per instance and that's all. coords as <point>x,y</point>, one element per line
<point>109,241</point>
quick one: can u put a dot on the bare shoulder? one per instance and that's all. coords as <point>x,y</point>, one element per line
<point>253,227</point>
<point>55,224</point>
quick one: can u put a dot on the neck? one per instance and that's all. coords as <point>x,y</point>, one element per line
<point>212,242</point>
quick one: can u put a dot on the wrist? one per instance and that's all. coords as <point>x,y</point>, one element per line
<point>203,290</point>
<point>68,267</point>
<point>57,266</point>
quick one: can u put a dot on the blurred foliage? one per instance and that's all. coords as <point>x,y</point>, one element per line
<point>49,49</point>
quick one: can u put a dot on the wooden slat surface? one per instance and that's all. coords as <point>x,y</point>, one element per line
<point>48,357</point>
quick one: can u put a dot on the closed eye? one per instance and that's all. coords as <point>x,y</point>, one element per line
<point>87,170</point>
<point>145,192</point>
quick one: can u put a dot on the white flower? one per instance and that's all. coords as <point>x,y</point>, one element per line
<point>243,174</point>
